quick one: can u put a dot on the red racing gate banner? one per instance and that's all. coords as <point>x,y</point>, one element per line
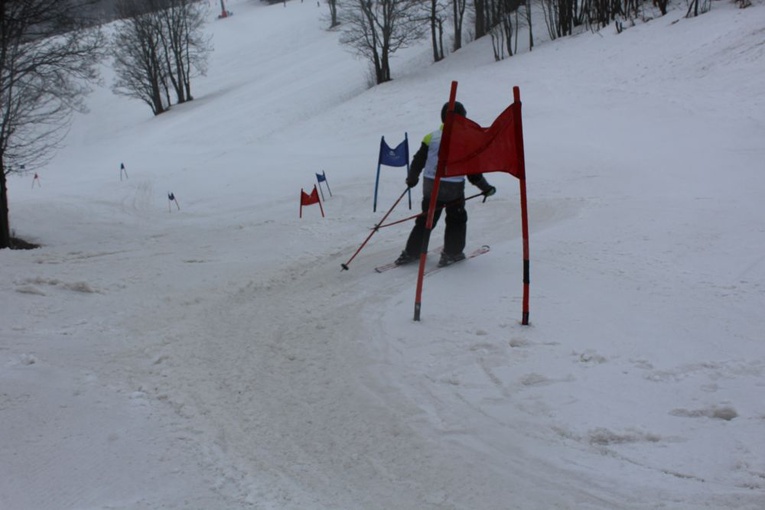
<point>467,148</point>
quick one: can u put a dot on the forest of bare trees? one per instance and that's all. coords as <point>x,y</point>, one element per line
<point>375,29</point>
<point>158,46</point>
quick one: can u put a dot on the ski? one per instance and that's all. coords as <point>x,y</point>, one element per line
<point>392,265</point>
<point>473,254</point>
<point>385,267</point>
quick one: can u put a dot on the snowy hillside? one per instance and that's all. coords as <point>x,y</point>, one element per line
<point>212,355</point>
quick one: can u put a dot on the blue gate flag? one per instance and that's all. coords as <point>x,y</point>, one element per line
<point>322,177</point>
<point>397,157</point>
<point>394,157</point>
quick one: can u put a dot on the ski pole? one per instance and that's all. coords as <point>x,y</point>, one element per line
<point>420,214</point>
<point>375,229</point>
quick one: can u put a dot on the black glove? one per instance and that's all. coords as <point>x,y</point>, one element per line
<point>412,181</point>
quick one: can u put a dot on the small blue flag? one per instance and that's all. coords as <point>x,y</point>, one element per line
<point>321,177</point>
<point>394,157</point>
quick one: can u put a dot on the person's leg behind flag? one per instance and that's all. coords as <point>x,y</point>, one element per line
<point>414,243</point>
<point>455,234</point>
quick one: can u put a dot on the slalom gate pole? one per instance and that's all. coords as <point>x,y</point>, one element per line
<point>375,229</point>
<point>526,264</point>
<point>324,173</point>
<point>406,139</point>
<point>377,182</point>
<point>443,156</point>
<point>425,242</point>
<point>524,204</point>
<point>377,176</point>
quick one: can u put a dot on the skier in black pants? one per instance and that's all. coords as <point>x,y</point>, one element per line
<point>451,196</point>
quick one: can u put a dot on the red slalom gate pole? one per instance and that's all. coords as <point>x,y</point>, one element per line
<point>443,156</point>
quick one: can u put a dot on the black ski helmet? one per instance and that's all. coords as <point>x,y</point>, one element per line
<point>459,109</point>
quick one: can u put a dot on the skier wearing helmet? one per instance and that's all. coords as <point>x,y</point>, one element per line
<point>451,197</point>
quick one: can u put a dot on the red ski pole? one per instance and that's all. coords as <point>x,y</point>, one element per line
<point>375,229</point>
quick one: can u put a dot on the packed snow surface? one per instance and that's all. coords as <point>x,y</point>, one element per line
<point>211,354</point>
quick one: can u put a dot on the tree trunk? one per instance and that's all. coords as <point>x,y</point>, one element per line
<point>385,66</point>
<point>457,18</point>
<point>5,226</point>
<point>441,38</point>
<point>480,19</point>
<point>437,56</point>
<point>333,13</point>
<point>528,22</point>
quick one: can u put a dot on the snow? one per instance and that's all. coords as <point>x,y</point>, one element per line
<point>217,357</point>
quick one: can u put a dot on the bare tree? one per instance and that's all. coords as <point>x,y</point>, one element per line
<point>436,17</point>
<point>481,25</point>
<point>662,5</point>
<point>458,15</point>
<point>48,58</point>
<point>697,7</point>
<point>138,61</point>
<point>527,6</point>
<point>376,29</point>
<point>185,47</point>
<point>333,21</point>
<point>159,46</point>
<point>550,12</point>
<point>505,16</point>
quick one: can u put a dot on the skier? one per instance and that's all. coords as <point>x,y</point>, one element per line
<point>451,196</point>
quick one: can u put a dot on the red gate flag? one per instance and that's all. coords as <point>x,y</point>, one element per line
<point>467,148</point>
<point>313,198</point>
<point>307,199</point>
<point>474,149</point>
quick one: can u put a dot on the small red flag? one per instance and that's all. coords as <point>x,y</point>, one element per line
<point>306,199</point>
<point>474,149</point>
<point>309,199</point>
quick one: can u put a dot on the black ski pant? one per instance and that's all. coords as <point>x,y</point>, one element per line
<point>451,197</point>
